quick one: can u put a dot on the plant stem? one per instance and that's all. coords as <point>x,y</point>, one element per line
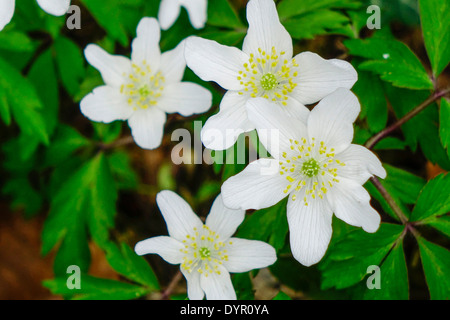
<point>386,195</point>
<point>177,277</point>
<point>375,139</point>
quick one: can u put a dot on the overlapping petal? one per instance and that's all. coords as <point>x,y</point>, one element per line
<point>218,286</point>
<point>147,127</point>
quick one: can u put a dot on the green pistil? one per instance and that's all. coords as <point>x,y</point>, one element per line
<point>204,252</point>
<point>269,81</point>
<point>310,168</point>
<point>144,91</point>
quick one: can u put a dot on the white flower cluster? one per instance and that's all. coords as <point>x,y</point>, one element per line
<point>319,169</point>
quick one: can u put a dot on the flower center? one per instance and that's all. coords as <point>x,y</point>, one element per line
<point>144,87</point>
<point>204,252</point>
<point>268,75</point>
<point>310,167</point>
<point>268,81</point>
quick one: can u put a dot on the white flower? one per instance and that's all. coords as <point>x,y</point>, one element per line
<point>169,10</point>
<point>144,89</point>
<point>318,169</point>
<point>206,252</point>
<point>264,68</point>
<point>53,7</point>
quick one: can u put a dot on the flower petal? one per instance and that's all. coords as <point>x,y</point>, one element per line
<point>105,104</point>
<point>275,128</point>
<point>169,10</point>
<point>245,255</point>
<point>112,68</point>
<point>173,64</point>
<point>222,130</point>
<point>166,247</point>
<point>258,186</point>
<point>265,30</point>
<point>331,120</point>
<point>147,127</point>
<point>177,213</point>
<point>319,77</point>
<point>186,98</point>
<point>360,164</point>
<point>197,10</point>
<point>218,286</point>
<point>194,290</point>
<point>351,203</point>
<point>223,220</point>
<point>6,12</point>
<point>54,7</point>
<point>310,230</point>
<point>212,61</point>
<point>145,46</point>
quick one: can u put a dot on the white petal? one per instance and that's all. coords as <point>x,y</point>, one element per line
<point>296,110</point>
<point>113,68</point>
<point>177,213</point>
<point>173,64</point>
<point>351,203</point>
<point>169,10</point>
<point>218,286</point>
<point>6,12</point>
<point>319,77</point>
<point>275,127</point>
<point>310,230</point>
<point>166,247</point>
<point>331,120</point>
<point>54,7</point>
<point>258,186</point>
<point>212,61</point>
<point>147,127</point>
<point>145,46</point>
<point>223,220</point>
<point>360,164</point>
<point>105,104</point>
<point>265,30</point>
<point>194,290</point>
<point>245,255</point>
<point>197,10</point>
<point>222,130</point>
<point>186,98</point>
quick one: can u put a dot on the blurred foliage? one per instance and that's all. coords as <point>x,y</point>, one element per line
<point>92,188</point>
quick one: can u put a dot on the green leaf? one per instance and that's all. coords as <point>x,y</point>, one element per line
<point>290,8</point>
<point>434,199</point>
<point>25,104</point>
<point>393,278</point>
<point>392,60</point>
<point>390,143</point>
<point>269,225</point>
<point>5,109</point>
<point>281,296</point>
<point>70,62</point>
<point>86,200</point>
<point>122,170</point>
<point>222,14</point>
<point>436,265</point>
<point>93,288</point>
<point>435,19</point>
<point>347,261</point>
<point>442,224</point>
<point>126,262</point>
<point>444,123</point>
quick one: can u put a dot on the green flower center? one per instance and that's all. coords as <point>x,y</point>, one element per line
<point>204,252</point>
<point>144,91</point>
<point>310,168</point>
<point>269,81</point>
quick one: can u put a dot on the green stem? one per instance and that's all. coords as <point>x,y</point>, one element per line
<point>387,196</point>
<point>375,139</point>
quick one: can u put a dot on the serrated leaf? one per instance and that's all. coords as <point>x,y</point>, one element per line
<point>436,265</point>
<point>434,199</point>
<point>435,20</point>
<point>346,262</point>
<point>126,262</point>
<point>93,288</point>
<point>392,60</point>
<point>393,278</point>
<point>26,107</point>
